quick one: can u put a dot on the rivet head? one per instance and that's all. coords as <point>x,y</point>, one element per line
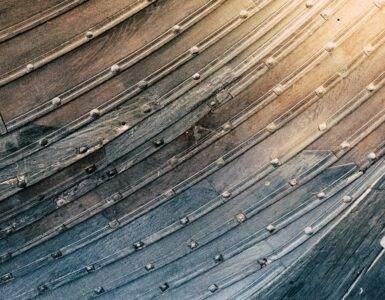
<point>99,290</point>
<point>115,69</point>
<point>293,182</point>
<point>6,277</point>
<point>90,169</point>
<point>243,14</point>
<point>57,254</point>
<point>146,108</point>
<point>368,49</point>
<point>321,195</point>
<point>116,197</point>
<point>138,245</point>
<point>326,13</point>
<point>83,149</point>
<point>158,142</point>
<point>112,172</point>
<point>226,194</point>
<point>42,288</point>
<point>192,244</point>
<point>271,62</point>
<point>94,113</point>
<point>213,103</point>
<point>21,182</point>
<point>275,162</point>
<point>196,76</point>
<point>227,126</point>
<point>43,142</point>
<point>382,242</point>
<point>60,202</point>
<point>56,101</point>
<point>308,230</point>
<point>270,228</point>
<point>163,287</point>
<point>176,29</point>
<point>218,258</point>
<point>113,223</point>
<point>29,67</point>
<point>89,34</point>
<point>320,91</point>
<point>184,221</point>
<point>271,127</point>
<point>142,84</point>
<point>330,46</point>
<point>240,217</point>
<point>345,145</point>
<point>194,50</point>
<point>90,268</point>
<point>262,262</point>
<point>278,89</point>
<point>220,162</point>
<point>149,266</point>
<point>346,198</point>
<point>173,160</point>
<point>309,4</point>
<point>213,288</point>
<point>371,87</point>
<point>322,126</point>
<point>372,156</point>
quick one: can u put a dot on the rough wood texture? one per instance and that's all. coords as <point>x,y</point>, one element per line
<point>192,149</point>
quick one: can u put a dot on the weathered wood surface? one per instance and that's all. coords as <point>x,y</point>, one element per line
<point>192,149</point>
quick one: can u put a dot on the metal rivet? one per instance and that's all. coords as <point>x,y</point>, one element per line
<point>382,242</point>
<point>220,162</point>
<point>278,89</point>
<point>320,91</point>
<point>146,108</point>
<point>57,254</point>
<point>322,126</point>
<point>83,149</point>
<point>267,183</point>
<point>138,245</point>
<point>113,223</point>
<point>89,34</point>
<point>158,143</point>
<point>218,258</point>
<point>184,220</point>
<point>321,195</point>
<point>42,288</point>
<point>163,287</point>
<point>173,160</point>
<point>372,156</point>
<point>196,76</point>
<point>275,162</point>
<point>241,217</point>
<point>262,262</point>
<point>226,194</point>
<point>326,13</point>
<point>270,228</point>
<point>368,49</point>
<point>60,202</point>
<point>21,182</point>
<point>43,142</point>
<point>346,199</point>
<point>194,50</point>
<point>142,84</point>
<point>29,67</point>
<point>116,197</point>
<point>271,62</point>
<point>112,172</point>
<point>213,103</point>
<point>149,266</point>
<point>308,230</point>
<point>115,69</point>
<point>293,182</point>
<point>95,113</point>
<point>90,268</point>
<point>243,14</point>
<point>99,290</point>
<point>176,29</point>
<point>330,46</point>
<point>6,277</point>
<point>90,169</point>
<point>345,145</point>
<point>56,101</point>
<point>371,87</point>
<point>309,4</point>
<point>213,288</point>
<point>227,126</point>
<point>192,244</point>
<point>271,127</point>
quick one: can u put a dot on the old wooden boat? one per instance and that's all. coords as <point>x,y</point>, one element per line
<point>190,149</point>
